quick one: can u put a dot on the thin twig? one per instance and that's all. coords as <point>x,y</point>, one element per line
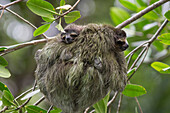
<point>4,109</point>
<point>139,63</point>
<point>51,107</point>
<point>137,59</point>
<point>86,110</point>
<point>26,102</point>
<point>137,48</point>
<point>113,99</point>
<point>22,45</point>
<point>110,102</point>
<point>140,108</point>
<point>24,93</point>
<point>119,104</point>
<point>141,13</point>
<point>2,13</point>
<point>68,10</point>
<point>158,31</point>
<point>11,3</point>
<point>39,101</point>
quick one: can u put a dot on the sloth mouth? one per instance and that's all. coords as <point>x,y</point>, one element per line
<point>123,48</point>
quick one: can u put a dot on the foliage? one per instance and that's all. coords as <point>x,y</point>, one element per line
<point>144,26</point>
<point>47,12</point>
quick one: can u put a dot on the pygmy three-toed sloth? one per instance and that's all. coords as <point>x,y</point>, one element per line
<point>74,74</point>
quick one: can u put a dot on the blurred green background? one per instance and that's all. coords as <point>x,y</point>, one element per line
<point>22,63</point>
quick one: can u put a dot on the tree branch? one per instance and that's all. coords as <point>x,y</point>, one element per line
<point>141,13</point>
<point>11,3</point>
<point>138,105</point>
<point>39,101</point>
<point>22,45</point>
<point>119,104</point>
<point>145,50</point>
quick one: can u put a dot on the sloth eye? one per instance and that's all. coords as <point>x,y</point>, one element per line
<point>120,42</point>
<point>63,37</point>
<point>73,34</point>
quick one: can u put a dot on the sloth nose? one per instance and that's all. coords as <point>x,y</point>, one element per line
<point>68,39</point>
<point>124,47</point>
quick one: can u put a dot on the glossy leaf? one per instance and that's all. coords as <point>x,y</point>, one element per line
<point>30,94</point>
<point>167,15</point>
<point>56,110</point>
<point>48,19</point>
<point>4,72</point>
<point>159,46</point>
<point>7,98</point>
<point>41,29</point>
<point>165,38</point>
<point>161,67</point>
<point>35,109</point>
<point>59,27</point>
<point>2,48</point>
<point>62,2</point>
<point>133,90</point>
<point>41,8</point>
<point>141,2</point>
<point>101,106</point>
<point>3,87</point>
<point>118,15</point>
<point>72,16</point>
<point>3,62</point>
<point>128,5</point>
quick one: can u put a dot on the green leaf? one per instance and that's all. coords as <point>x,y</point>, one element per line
<point>161,67</point>
<point>3,87</point>
<point>150,15</point>
<point>159,46</point>
<point>3,62</point>
<point>48,19</point>
<point>101,106</point>
<point>4,72</point>
<point>133,90</point>
<point>62,2</point>
<point>2,48</point>
<point>167,15</point>
<point>118,15</point>
<point>59,27</point>
<point>128,5</point>
<point>35,109</point>
<point>72,16</point>
<point>30,94</point>
<point>41,29</point>
<point>57,110</point>
<point>131,71</point>
<point>165,38</point>
<point>141,3</point>
<point>7,98</point>
<point>41,8</point>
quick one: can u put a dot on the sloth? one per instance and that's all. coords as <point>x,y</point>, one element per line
<point>70,33</point>
<point>74,74</point>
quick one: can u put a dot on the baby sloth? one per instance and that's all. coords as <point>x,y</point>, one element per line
<point>70,33</point>
<point>74,75</point>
